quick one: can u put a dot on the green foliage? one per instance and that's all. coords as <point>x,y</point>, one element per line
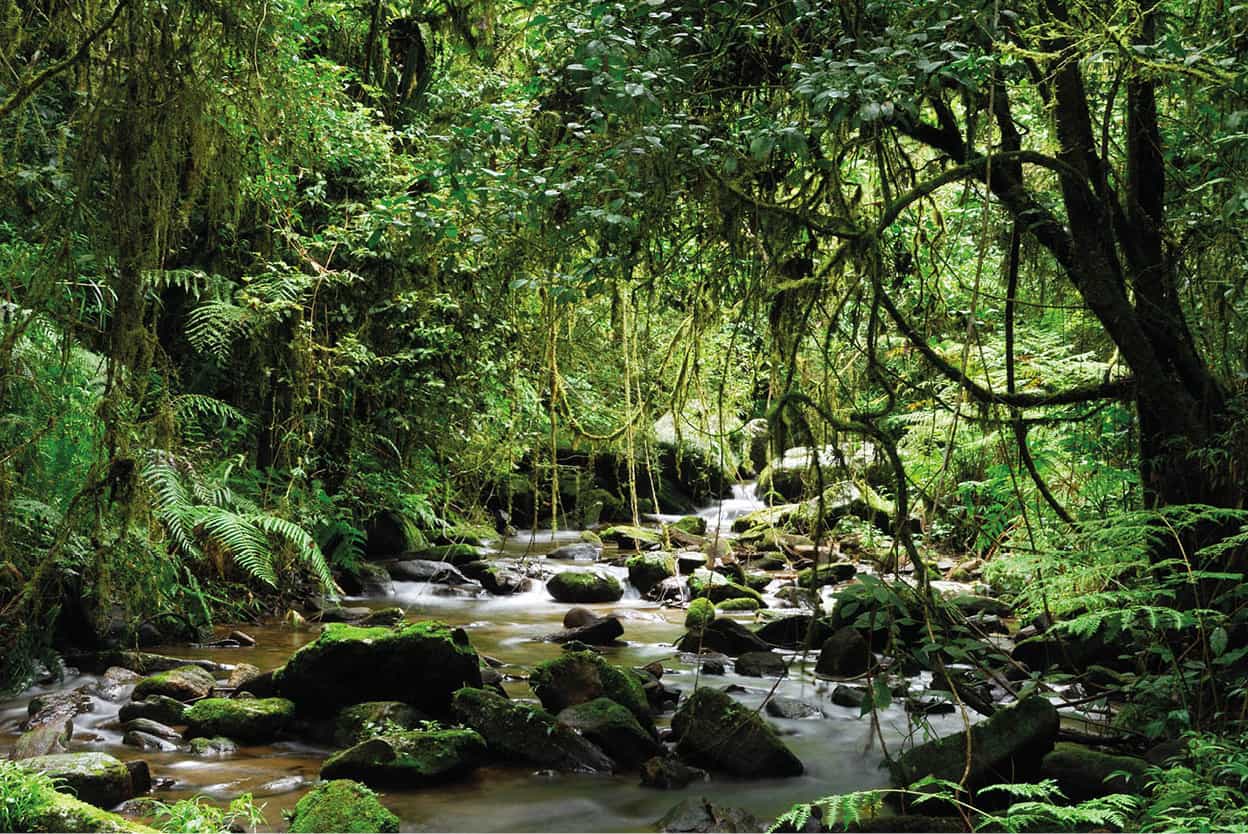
<point>23,794</point>
<point>198,816</point>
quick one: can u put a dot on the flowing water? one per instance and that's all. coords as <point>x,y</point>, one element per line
<point>841,752</point>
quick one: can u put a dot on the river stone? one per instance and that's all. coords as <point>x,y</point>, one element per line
<point>344,806</point>
<point>526,733</point>
<point>159,708</point>
<point>456,554</point>
<point>1008,747</point>
<point>739,604</point>
<point>614,729</point>
<point>185,683</point>
<point>846,695</point>
<point>697,816</point>
<point>421,663</point>
<point>427,570</point>
<point>213,748</point>
<point>361,722</point>
<point>497,579</point>
<point>1083,773</point>
<point>578,677</point>
<point>584,586</point>
<point>580,551</point>
<point>628,537</point>
<point>646,570</point>
<point>409,758</point>
<point>155,728</point>
<point>833,574</point>
<point>795,597</point>
<point>795,631</point>
<point>96,778</point>
<point>974,604</point>
<point>761,665</point>
<point>115,684</point>
<point>667,773</point>
<point>779,706</point>
<point>844,655</point>
<point>723,635</point>
<point>149,743</point>
<point>44,740</point>
<point>66,813</point>
<point>364,579</point>
<point>254,720</point>
<point>714,731</point>
<point>602,631</point>
<point>243,674</point>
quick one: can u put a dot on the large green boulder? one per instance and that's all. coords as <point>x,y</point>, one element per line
<point>724,635</point>
<point>184,683</point>
<point>1083,773</point>
<point>700,614</point>
<point>628,537</point>
<point>66,813</point>
<point>613,728</point>
<point>646,570</point>
<point>456,554</point>
<point>343,806</point>
<point>95,778</point>
<point>577,677</point>
<point>714,731</point>
<point>253,720</point>
<point>526,733</point>
<point>420,663</point>
<point>1008,747</point>
<point>833,574</point>
<point>411,758</point>
<point>361,722</point>
<point>159,708</point>
<point>584,586</point>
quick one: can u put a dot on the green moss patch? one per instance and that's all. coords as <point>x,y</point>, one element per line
<point>343,806</point>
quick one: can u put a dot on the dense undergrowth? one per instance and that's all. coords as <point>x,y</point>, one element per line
<point>280,277</point>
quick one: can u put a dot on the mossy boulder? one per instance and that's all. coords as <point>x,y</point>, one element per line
<point>846,498</point>
<point>649,569</point>
<point>613,728</point>
<point>344,806</point>
<point>185,683</point>
<point>252,720</point>
<point>409,758</point>
<point>420,663</point>
<point>761,665</point>
<point>596,631</point>
<point>1083,773</point>
<point>95,778</point>
<point>579,677</point>
<point>456,554</point>
<point>361,722</point>
<point>67,813</point>
<point>694,525</point>
<point>795,631</point>
<point>714,731</point>
<point>844,655</point>
<point>628,537</point>
<point>578,551</point>
<point>526,733</point>
<point>971,604</point>
<point>700,614</point>
<point>820,575</point>
<point>1008,747</point>
<point>721,592</point>
<point>584,586</point>
<point>740,604</point>
<point>697,816</point>
<point>496,579</point>
<point>215,747</point>
<point>724,635</point>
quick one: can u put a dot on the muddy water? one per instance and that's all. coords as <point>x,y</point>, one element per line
<point>840,752</point>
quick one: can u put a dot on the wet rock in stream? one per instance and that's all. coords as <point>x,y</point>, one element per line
<point>95,778</point>
<point>579,551</point>
<point>723,635</point>
<point>159,708</point>
<point>779,706</point>
<point>184,683</point>
<point>344,806</point>
<point>496,579</point>
<point>614,729</point>
<point>584,586</point>
<point>601,631</point>
<point>360,722</point>
<point>409,759</point>
<point>578,677</point>
<point>761,665</point>
<point>523,732</point>
<point>699,816</point>
<point>666,773</point>
<point>251,720</point>
<point>716,732</point>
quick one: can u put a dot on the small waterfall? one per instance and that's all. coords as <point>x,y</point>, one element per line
<point>720,515</point>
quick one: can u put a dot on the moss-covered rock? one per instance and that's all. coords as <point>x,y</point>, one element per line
<point>578,677</point>
<point>410,758</point>
<point>252,720</point>
<point>1008,747</point>
<point>184,683</point>
<point>667,773</point>
<point>1083,773</point>
<point>584,586</point>
<point>523,732</point>
<point>694,525</point>
<point>795,631</point>
<point>95,778</point>
<point>420,663</point>
<point>833,574</point>
<point>714,731</point>
<point>740,604</point>
<point>628,537</point>
<point>846,498</point>
<point>718,593</point>
<point>65,813</point>
<point>697,816</point>
<point>343,806</point>
<point>456,554</point>
<point>649,569</point>
<point>700,614</point>
<point>216,747</point>
<point>361,722</point>
<point>764,519</point>
<point>613,728</point>
<point>761,665</point>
